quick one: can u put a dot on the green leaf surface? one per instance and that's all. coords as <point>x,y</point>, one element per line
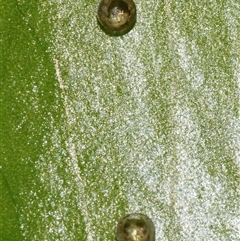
<point>94,127</point>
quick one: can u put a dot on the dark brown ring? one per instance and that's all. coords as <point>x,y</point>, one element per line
<point>116,17</point>
<point>135,227</point>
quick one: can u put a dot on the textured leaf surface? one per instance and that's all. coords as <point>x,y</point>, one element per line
<point>95,127</point>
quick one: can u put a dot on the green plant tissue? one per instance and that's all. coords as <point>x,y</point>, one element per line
<point>94,127</point>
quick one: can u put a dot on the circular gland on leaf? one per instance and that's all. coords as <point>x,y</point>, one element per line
<point>135,227</point>
<point>116,17</point>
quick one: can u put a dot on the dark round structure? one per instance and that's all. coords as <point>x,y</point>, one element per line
<point>116,17</point>
<point>135,227</point>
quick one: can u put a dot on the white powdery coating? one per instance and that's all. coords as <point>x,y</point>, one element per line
<point>182,195</point>
<point>233,23</point>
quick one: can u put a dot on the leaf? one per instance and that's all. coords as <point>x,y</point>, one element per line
<point>95,127</point>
